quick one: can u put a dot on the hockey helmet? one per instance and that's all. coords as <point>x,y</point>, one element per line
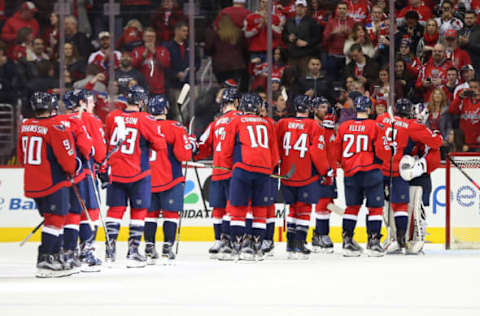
<point>41,101</point>
<point>229,95</point>
<point>421,113</point>
<point>362,104</point>
<point>137,94</point>
<point>84,94</point>
<point>302,103</point>
<point>317,101</point>
<point>404,107</point>
<point>70,100</point>
<point>54,102</point>
<point>158,104</point>
<point>250,102</point>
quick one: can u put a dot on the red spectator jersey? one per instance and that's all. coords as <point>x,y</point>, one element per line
<point>82,141</point>
<point>152,67</point>
<point>469,111</point>
<point>14,24</point>
<point>236,14</point>
<point>167,165</point>
<point>358,146</point>
<point>250,144</point>
<point>424,12</point>
<point>98,58</point>
<point>334,42</point>
<point>430,70</point>
<point>303,143</point>
<point>358,10</point>
<point>130,163</point>
<point>322,16</point>
<point>97,133</point>
<point>458,57</point>
<point>46,150</point>
<point>255,30</point>
<point>405,134</point>
<point>212,142</point>
<point>289,10</point>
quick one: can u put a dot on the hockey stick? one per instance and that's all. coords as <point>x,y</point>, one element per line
<point>121,137</point>
<point>335,209</point>
<point>463,172</point>
<point>389,208</point>
<point>31,233</point>
<point>82,205</point>
<point>276,176</point>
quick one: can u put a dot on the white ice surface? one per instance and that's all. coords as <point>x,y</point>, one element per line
<point>438,283</point>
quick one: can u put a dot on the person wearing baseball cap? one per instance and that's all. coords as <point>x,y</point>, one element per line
<point>24,17</point>
<point>467,73</point>
<point>458,56</point>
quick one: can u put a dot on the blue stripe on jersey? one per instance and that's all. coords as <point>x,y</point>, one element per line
<point>144,154</point>
<point>56,172</point>
<point>175,165</point>
<point>237,150</point>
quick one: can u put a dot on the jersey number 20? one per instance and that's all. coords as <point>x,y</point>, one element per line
<point>360,142</point>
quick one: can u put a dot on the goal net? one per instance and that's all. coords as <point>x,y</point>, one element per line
<point>462,201</point>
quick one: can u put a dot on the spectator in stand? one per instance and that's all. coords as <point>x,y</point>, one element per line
<point>358,35</point>
<point>447,21</point>
<point>362,68</point>
<point>301,34</point>
<point>131,37</point>
<point>412,29</point>
<point>412,62</point>
<point>334,37</point>
<point>467,105</point>
<point>23,45</point>
<point>467,73</point>
<point>455,54</point>
<point>178,73</point>
<point>455,142</point>
<point>321,12</point>
<point>260,71</point>
<point>93,81</point>
<point>452,83</point>
<point>44,82</point>
<point>280,107</point>
<point>152,60</point>
<point>101,56</point>
<point>434,72</point>
<point>164,19</point>
<point>23,18</point>
<point>375,25</point>
<point>358,10</point>
<point>287,7</point>
<point>438,116</point>
<point>38,51</point>
<point>50,35</point>
<point>79,39</point>
<point>75,65</point>
<point>424,12</point>
<point>381,87</point>
<point>430,38</point>
<point>465,36</point>
<point>228,49</point>
<point>237,13</point>
<point>314,83</point>
<point>8,77</point>
<point>405,79</point>
<point>125,74</point>
<point>136,10</point>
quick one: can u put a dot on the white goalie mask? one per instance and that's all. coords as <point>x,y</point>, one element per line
<point>420,111</point>
<point>407,163</point>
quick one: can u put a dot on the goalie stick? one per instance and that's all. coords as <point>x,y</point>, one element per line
<point>463,172</point>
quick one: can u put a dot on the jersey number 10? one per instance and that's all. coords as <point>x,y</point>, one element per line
<point>259,136</point>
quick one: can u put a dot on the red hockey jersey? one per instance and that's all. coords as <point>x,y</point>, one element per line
<point>97,133</point>
<point>167,165</point>
<point>250,145</point>
<point>46,150</point>
<point>358,146</point>
<point>469,111</point>
<point>303,144</point>
<point>131,162</point>
<point>406,133</point>
<point>212,142</point>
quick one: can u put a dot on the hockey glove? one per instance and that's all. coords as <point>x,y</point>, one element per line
<point>419,168</point>
<point>193,142</point>
<point>103,173</point>
<point>328,178</point>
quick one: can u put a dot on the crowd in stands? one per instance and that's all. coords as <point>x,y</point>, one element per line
<point>335,49</point>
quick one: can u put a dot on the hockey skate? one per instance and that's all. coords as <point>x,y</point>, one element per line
<point>168,256</point>
<point>257,247</point>
<point>291,254</point>
<point>90,262</point>
<point>246,251</point>
<point>350,247</point>
<point>134,258</point>
<point>374,248</point>
<point>110,252</point>
<point>71,261</point>
<point>215,249</point>
<point>302,251</point>
<point>151,253</point>
<point>322,244</point>
<point>226,253</point>
<point>267,247</point>
<point>50,266</point>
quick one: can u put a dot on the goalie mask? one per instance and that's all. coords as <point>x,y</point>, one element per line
<point>421,113</point>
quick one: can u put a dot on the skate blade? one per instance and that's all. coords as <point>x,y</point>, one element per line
<point>302,256</point>
<point>350,253</point>
<point>214,256</point>
<point>46,273</point>
<point>373,253</point>
<point>226,257</point>
<point>259,258</point>
<point>135,264</point>
<point>323,251</point>
<point>292,256</point>
<point>151,261</point>
<point>247,257</point>
<point>165,261</point>
<point>87,268</point>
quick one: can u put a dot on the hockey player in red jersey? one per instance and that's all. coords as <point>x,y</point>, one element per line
<point>168,182</point>
<point>212,143</point>
<point>252,153</point>
<point>403,133</point>
<point>303,145</point>
<point>46,150</point>
<point>325,116</point>
<point>357,146</point>
<point>130,172</point>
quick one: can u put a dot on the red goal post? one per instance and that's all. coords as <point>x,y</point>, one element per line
<point>462,227</point>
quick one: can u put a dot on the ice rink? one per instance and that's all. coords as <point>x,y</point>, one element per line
<point>437,283</point>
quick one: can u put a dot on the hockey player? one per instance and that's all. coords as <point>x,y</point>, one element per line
<point>251,153</point>
<point>130,172</point>
<point>168,182</point>
<point>46,150</point>
<point>357,146</point>
<point>212,143</point>
<point>325,115</point>
<point>403,132</point>
<point>303,145</point>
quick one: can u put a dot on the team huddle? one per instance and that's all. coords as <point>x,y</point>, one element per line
<point>138,159</point>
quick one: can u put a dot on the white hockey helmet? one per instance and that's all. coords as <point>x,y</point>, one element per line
<point>421,113</point>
